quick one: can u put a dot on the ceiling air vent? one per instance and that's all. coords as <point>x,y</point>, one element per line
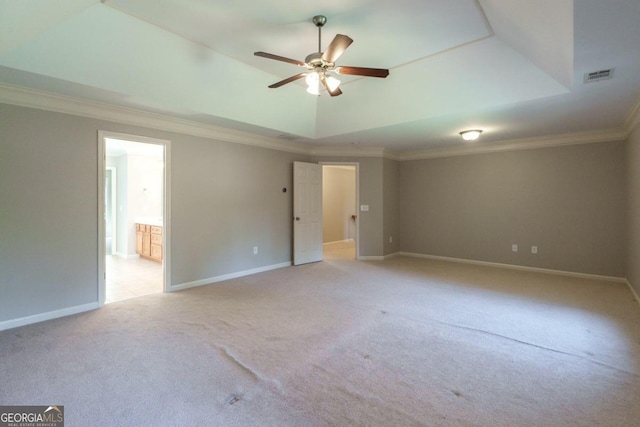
<point>597,76</point>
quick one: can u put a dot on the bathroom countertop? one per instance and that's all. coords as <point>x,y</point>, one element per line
<point>151,220</point>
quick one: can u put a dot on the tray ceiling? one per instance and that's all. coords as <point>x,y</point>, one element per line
<point>512,67</point>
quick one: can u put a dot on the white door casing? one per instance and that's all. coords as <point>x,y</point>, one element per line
<point>307,213</point>
<point>110,207</point>
<point>166,234</point>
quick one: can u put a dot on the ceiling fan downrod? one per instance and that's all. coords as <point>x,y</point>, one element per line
<point>319,21</point>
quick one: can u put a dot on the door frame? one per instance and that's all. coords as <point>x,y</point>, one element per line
<point>357,165</point>
<point>114,210</point>
<point>166,217</point>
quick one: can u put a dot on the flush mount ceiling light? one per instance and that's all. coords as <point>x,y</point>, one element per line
<point>470,135</point>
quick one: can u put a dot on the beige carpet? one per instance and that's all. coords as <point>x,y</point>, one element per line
<point>396,343</point>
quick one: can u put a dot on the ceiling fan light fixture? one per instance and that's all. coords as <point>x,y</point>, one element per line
<point>312,79</point>
<point>313,83</point>
<point>333,83</point>
<point>470,135</point>
<point>313,90</point>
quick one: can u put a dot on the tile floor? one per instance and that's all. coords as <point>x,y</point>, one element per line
<point>131,277</point>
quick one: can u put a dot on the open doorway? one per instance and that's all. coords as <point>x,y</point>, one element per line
<point>339,211</point>
<point>133,217</point>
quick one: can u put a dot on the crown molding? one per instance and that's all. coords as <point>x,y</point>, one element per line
<point>42,100</point>
<point>633,121</point>
<point>339,151</point>
<point>560,140</point>
<point>392,155</point>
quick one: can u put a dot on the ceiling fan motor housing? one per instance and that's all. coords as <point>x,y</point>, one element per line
<point>315,60</point>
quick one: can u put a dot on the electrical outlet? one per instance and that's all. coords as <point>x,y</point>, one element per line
<point>390,239</point>
<point>255,250</point>
<point>534,249</point>
<point>514,248</point>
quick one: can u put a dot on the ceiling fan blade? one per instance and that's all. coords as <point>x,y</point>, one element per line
<point>326,86</point>
<point>288,80</point>
<point>363,71</point>
<point>279,58</point>
<point>336,48</point>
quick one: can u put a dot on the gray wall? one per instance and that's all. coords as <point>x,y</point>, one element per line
<point>633,211</point>
<point>48,219</point>
<point>569,201</point>
<point>226,198</point>
<point>391,220</point>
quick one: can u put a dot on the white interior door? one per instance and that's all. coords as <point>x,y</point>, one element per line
<point>307,213</point>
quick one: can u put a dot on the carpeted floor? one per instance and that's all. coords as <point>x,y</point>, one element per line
<point>395,343</point>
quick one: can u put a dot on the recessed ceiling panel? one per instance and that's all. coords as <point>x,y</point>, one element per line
<point>22,20</point>
<point>480,75</point>
<point>386,34</point>
<point>542,30</point>
<point>104,48</point>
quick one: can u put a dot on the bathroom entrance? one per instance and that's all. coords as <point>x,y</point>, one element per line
<point>134,227</point>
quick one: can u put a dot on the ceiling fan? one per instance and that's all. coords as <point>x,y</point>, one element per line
<point>321,64</point>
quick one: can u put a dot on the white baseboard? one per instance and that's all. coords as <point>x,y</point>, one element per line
<point>338,241</point>
<point>633,291</point>
<point>378,258</point>
<point>516,267</point>
<point>36,318</point>
<point>229,276</point>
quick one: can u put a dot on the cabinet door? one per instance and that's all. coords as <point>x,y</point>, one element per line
<point>138,242</point>
<point>156,252</point>
<point>146,244</point>
<point>156,239</point>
